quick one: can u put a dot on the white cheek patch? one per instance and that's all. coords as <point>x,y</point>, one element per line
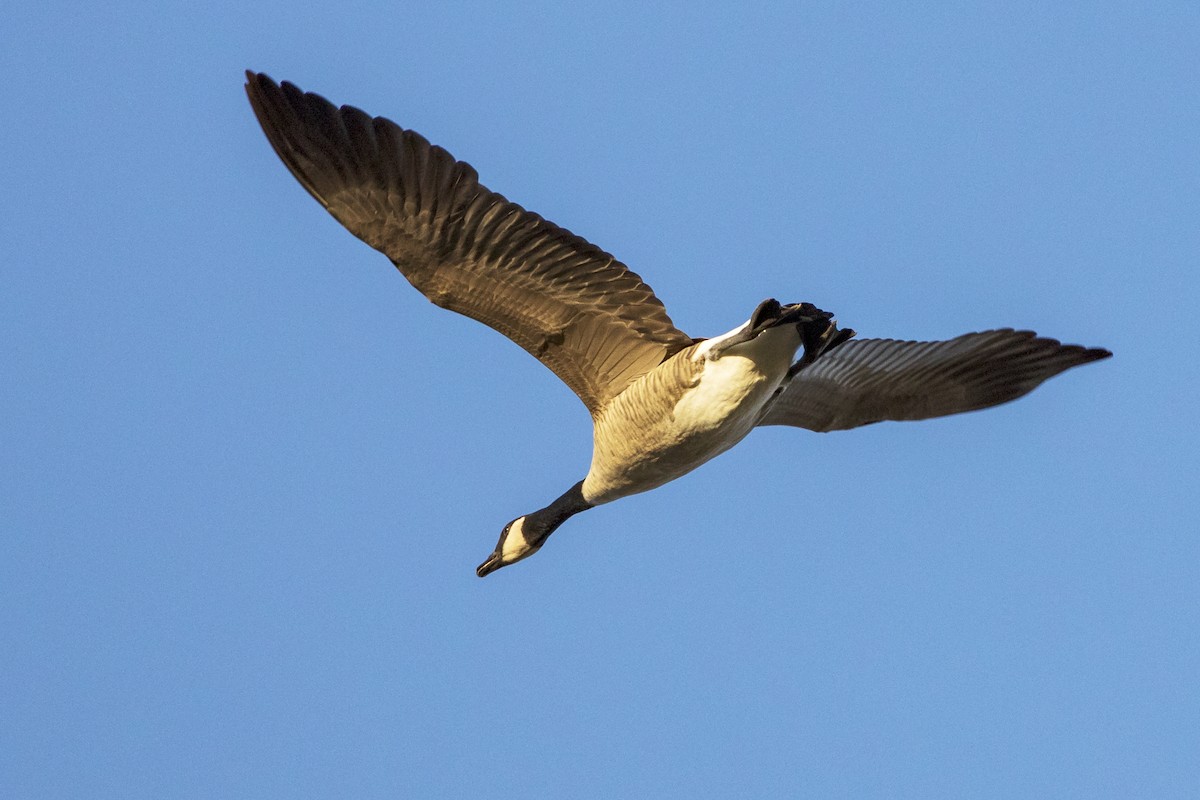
<point>515,544</point>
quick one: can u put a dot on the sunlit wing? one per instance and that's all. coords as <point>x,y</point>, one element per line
<point>585,315</point>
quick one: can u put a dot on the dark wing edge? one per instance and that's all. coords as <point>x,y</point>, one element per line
<point>586,316</point>
<point>872,380</point>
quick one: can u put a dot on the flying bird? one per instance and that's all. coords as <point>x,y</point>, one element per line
<point>662,402</point>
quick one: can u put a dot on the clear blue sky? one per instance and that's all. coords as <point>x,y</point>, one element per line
<point>246,471</point>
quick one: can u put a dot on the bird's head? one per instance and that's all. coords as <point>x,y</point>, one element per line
<point>520,539</point>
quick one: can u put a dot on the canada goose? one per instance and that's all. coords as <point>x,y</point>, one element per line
<point>662,403</point>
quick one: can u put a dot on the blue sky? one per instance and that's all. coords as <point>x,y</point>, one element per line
<point>246,472</point>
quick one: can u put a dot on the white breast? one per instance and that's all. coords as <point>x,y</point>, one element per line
<point>732,389</point>
<point>634,453</point>
<point>727,386</point>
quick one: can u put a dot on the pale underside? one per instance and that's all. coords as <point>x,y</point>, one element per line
<point>684,413</point>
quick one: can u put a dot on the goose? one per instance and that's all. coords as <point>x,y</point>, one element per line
<point>662,402</point>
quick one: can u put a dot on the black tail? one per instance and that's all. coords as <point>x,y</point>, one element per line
<point>771,313</point>
<point>819,334</point>
<point>818,331</point>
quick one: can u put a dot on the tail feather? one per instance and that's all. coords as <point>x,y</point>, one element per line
<point>818,331</point>
<point>819,334</point>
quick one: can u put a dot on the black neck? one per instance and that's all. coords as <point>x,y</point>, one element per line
<point>571,502</point>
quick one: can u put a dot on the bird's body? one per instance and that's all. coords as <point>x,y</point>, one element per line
<point>662,403</point>
<point>690,409</point>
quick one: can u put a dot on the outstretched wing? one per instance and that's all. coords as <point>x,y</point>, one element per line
<point>585,315</point>
<point>870,380</point>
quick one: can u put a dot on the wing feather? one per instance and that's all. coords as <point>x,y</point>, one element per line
<point>584,314</point>
<point>871,380</point>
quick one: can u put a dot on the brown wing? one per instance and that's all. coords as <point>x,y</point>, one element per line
<point>581,312</point>
<point>870,380</point>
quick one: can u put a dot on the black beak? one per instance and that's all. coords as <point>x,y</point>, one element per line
<point>492,564</point>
